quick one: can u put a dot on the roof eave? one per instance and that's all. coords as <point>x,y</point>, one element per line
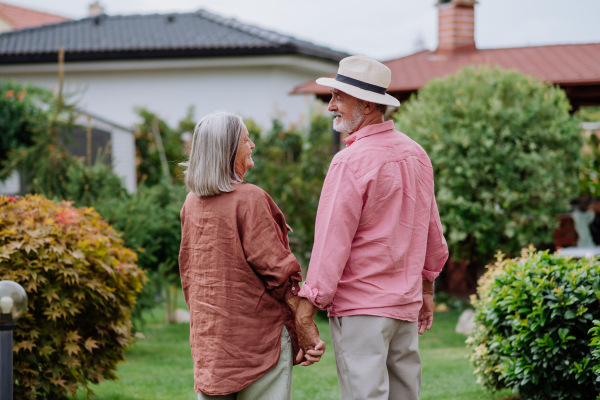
<point>145,54</point>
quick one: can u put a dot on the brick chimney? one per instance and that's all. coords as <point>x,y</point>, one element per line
<point>96,9</point>
<point>456,26</point>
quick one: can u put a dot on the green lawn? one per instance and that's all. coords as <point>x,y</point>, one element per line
<point>160,367</point>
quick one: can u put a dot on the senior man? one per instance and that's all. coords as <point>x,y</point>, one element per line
<point>378,243</point>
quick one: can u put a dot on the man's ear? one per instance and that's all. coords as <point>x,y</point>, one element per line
<point>368,107</point>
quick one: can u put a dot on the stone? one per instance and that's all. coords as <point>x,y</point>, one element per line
<point>182,316</point>
<point>466,322</point>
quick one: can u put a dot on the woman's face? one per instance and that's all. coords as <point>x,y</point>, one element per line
<point>243,161</point>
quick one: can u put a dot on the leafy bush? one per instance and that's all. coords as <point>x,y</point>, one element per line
<point>532,320</point>
<point>589,177</point>
<point>595,343</point>
<point>38,132</point>
<point>148,221</point>
<point>149,163</point>
<point>19,110</point>
<point>82,285</point>
<point>505,153</point>
<point>97,184</point>
<point>589,114</point>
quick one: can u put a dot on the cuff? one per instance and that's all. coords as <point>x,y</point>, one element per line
<point>429,275</point>
<point>311,295</point>
<point>291,291</point>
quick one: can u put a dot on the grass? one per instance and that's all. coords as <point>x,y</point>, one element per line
<point>160,367</point>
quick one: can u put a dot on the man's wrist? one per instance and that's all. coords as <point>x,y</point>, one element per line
<point>292,303</point>
<point>305,312</point>
<point>427,287</point>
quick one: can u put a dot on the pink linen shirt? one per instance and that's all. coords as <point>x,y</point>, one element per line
<point>378,232</point>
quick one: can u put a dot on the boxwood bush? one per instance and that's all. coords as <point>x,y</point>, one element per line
<point>82,285</point>
<point>595,332</point>
<point>533,316</point>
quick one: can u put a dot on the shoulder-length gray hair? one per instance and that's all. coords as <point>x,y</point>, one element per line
<point>211,166</point>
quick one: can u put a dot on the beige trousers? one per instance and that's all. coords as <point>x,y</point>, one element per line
<point>377,358</point>
<point>276,384</point>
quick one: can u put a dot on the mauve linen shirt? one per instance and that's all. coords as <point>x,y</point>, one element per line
<point>236,272</point>
<point>378,232</point>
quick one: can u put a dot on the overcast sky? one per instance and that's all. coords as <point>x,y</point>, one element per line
<point>383,29</point>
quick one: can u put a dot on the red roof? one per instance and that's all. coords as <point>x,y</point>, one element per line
<point>573,64</point>
<point>21,18</point>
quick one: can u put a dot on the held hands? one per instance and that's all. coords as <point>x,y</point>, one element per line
<point>311,345</point>
<point>426,313</point>
<point>311,356</point>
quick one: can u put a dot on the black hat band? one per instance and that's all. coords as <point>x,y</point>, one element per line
<point>360,84</point>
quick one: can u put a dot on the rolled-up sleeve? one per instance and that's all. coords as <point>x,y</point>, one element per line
<point>265,246</point>
<point>437,249</point>
<point>338,215</point>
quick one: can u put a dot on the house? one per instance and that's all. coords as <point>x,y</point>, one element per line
<point>575,68</point>
<point>167,63</point>
<point>13,18</point>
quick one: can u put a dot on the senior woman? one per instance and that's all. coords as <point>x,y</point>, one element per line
<point>239,278</point>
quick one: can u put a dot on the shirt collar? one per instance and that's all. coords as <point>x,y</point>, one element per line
<point>368,131</point>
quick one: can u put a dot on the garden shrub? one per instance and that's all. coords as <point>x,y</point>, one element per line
<point>595,343</point>
<point>533,316</point>
<point>505,153</point>
<point>82,285</point>
<point>589,177</point>
<point>20,112</point>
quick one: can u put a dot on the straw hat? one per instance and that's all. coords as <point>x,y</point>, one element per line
<point>363,78</point>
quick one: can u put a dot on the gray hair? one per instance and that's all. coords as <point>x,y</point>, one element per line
<point>211,166</point>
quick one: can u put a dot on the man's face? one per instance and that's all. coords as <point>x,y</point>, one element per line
<point>346,110</point>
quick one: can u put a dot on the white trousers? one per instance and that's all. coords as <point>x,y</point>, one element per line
<point>276,384</point>
<point>377,358</point>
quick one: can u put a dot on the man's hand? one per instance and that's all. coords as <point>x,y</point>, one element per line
<point>426,313</point>
<point>311,345</point>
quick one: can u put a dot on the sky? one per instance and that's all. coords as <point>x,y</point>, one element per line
<point>382,29</point>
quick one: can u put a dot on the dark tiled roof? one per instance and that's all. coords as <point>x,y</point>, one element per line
<point>158,35</point>
<point>573,64</point>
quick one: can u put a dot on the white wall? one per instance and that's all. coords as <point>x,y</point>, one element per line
<point>255,87</point>
<point>12,184</point>
<point>123,158</point>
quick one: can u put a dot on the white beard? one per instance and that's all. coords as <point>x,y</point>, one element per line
<point>347,123</point>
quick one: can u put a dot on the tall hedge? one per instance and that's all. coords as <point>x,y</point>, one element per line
<point>505,153</point>
<point>82,285</point>
<point>535,330</point>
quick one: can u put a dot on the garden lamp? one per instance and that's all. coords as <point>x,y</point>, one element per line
<point>13,304</point>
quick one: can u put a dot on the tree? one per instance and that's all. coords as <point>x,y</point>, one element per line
<point>505,153</point>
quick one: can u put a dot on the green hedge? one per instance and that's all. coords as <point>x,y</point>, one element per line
<point>533,316</point>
